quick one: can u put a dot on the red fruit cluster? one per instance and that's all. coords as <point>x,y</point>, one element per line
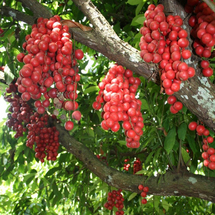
<point>126,165</point>
<point>206,70</point>
<point>20,111</point>
<point>1,32</point>
<point>209,153</point>
<point>116,199</point>
<point>45,138</point>
<point>50,69</point>
<point>137,166</point>
<point>164,42</point>
<point>143,193</point>
<point>203,27</point>
<point>117,93</point>
<point>175,105</point>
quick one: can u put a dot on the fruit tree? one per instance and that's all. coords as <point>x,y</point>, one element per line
<point>111,107</point>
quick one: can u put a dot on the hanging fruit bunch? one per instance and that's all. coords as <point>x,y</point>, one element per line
<point>49,76</point>
<point>117,100</point>
<point>50,71</point>
<point>202,22</point>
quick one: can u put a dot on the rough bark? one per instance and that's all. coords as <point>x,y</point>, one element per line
<point>171,184</point>
<point>37,9</point>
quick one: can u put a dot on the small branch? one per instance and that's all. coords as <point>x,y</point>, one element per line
<point>210,4</point>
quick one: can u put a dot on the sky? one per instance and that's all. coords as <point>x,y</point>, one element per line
<point>3,107</point>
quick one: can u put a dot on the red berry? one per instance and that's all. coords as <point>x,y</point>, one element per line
<point>192,126</point>
<point>69,125</point>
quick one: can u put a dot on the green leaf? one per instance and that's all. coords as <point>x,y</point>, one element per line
<point>138,20</point>
<point>121,142</point>
<point>52,171</point>
<point>170,140</point>
<point>28,178</point>
<point>90,131</point>
<point>132,196</point>
<point>144,105</point>
<point>148,159</point>
<point>182,130</point>
<point>185,155</point>
<point>139,7</point>
<point>156,201</point>
<point>91,89</point>
<point>134,2</point>
<point>155,158</point>
<point>166,205</point>
<point>143,171</point>
<point>192,143</point>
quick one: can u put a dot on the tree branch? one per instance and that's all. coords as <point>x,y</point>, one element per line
<point>37,8</point>
<point>17,15</point>
<point>172,183</point>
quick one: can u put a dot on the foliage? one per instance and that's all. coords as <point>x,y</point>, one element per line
<point>66,186</point>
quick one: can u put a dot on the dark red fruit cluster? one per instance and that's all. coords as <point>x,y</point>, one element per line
<point>137,165</point>
<point>144,191</point>
<point>126,165</point>
<point>209,153</point>
<point>1,32</point>
<point>117,93</point>
<point>175,105</point>
<point>50,70</point>
<point>164,42</point>
<point>45,137</point>
<point>116,199</point>
<point>20,111</point>
<point>203,27</point>
<point>206,70</point>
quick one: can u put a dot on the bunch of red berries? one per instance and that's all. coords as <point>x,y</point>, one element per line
<point>117,93</point>
<point>164,41</point>
<point>175,105</point>
<point>203,31</point>
<point>209,153</point>
<point>45,138</point>
<point>203,27</point>
<point>20,111</point>
<point>50,70</point>
<point>137,166</point>
<point>206,70</point>
<point>116,199</point>
<point>143,193</point>
<point>126,165</point>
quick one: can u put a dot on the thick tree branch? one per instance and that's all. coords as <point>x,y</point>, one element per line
<point>37,8</point>
<point>172,183</point>
<point>17,15</point>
